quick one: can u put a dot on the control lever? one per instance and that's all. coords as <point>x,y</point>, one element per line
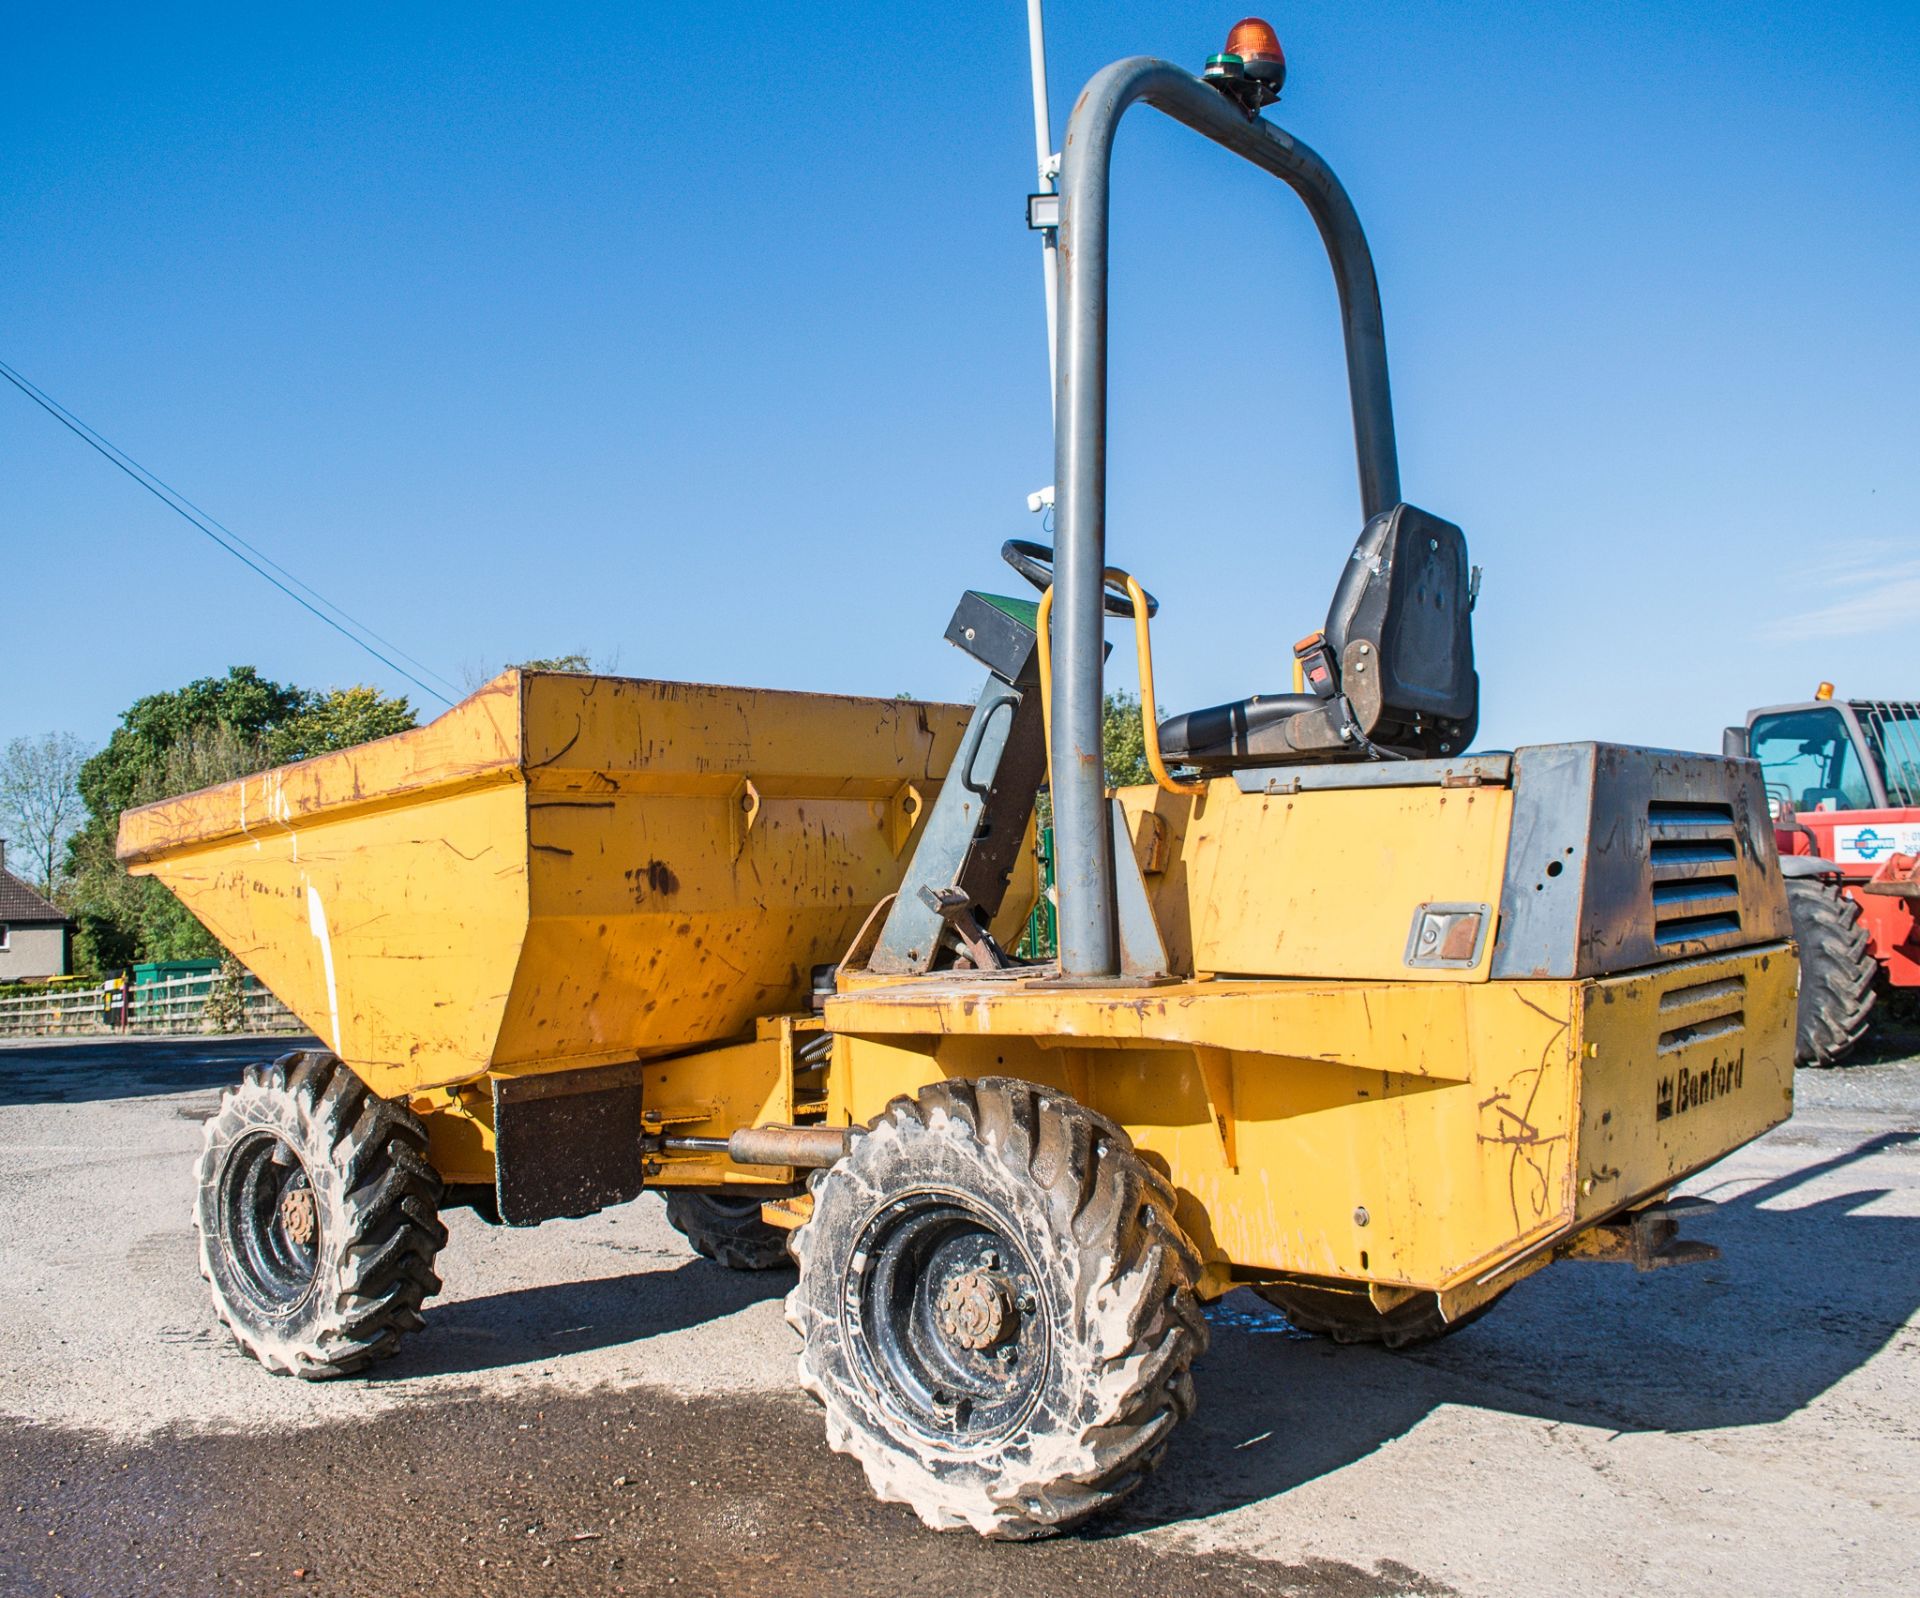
<point>954,908</point>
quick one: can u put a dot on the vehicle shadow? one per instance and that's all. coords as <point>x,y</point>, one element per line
<point>530,1325</point>
<point>1894,1033</point>
<point>87,1070</point>
<point>1801,1298</point>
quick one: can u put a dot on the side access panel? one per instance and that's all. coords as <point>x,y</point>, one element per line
<point>1407,1135</point>
<point>1683,1064</point>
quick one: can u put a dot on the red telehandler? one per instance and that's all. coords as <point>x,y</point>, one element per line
<point>1843,784</point>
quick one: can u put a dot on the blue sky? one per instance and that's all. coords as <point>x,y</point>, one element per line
<point>709,340</point>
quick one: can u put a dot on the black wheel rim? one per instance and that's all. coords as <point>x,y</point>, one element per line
<point>270,1221</point>
<point>947,1318</point>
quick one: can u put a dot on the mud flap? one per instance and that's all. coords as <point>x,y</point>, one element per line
<point>566,1142</point>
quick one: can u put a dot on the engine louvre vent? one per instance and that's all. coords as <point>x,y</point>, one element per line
<point>1621,859</point>
<point>1691,859</point>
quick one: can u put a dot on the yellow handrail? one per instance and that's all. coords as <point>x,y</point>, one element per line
<point>1149,717</point>
<point>1143,649</point>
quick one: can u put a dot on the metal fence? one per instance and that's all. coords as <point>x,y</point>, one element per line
<point>171,1005</point>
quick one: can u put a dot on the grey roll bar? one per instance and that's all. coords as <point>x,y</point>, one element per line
<point>1083,841</point>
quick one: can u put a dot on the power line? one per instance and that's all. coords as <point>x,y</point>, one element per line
<point>206,524</point>
<point>107,446</point>
<point>232,542</point>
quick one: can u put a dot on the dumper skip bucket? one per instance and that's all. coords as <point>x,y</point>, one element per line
<point>562,871</point>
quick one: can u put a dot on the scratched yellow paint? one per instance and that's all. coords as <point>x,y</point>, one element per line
<point>1315,884</point>
<point>1401,1133</point>
<point>565,871</point>
<point>1720,1065</point>
<point>561,871</point>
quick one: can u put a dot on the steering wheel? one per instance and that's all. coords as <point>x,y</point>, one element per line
<point>1035,563</point>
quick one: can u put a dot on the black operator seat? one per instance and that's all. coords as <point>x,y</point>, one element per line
<point>1391,675</point>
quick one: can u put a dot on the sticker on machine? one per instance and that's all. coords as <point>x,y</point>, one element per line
<point>1871,842</point>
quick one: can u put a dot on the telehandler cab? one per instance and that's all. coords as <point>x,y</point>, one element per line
<point>1341,1011</point>
<point>1842,778</point>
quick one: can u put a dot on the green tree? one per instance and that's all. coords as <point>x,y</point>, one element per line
<point>338,719</point>
<point>1123,740</point>
<point>209,732</point>
<point>553,663</point>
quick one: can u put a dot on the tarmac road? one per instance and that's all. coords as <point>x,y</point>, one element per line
<point>594,1410</point>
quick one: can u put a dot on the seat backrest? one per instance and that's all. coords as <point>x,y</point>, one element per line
<point>1401,632</point>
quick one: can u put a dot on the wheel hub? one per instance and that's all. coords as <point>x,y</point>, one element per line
<point>268,1221</point>
<point>297,1215</point>
<point>976,1310</point>
<point>946,1329</point>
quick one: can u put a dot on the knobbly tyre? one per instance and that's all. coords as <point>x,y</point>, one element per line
<point>1340,1011</point>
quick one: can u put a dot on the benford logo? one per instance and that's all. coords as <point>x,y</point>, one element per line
<point>1688,1090</point>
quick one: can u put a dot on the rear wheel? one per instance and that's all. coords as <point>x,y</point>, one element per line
<point>996,1309</point>
<point>727,1229</point>
<point>1837,971</point>
<point>317,1214</point>
<point>1352,1318</point>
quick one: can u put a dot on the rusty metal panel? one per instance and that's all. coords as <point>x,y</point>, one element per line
<point>1681,1065</point>
<point>1409,1133</point>
<point>1412,1135</point>
<point>393,932</point>
<point>1462,771</point>
<point>1621,858</point>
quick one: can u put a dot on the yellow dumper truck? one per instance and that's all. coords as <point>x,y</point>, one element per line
<point>1340,1011</point>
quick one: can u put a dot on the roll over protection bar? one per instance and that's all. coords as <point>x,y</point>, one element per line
<point>1083,844</point>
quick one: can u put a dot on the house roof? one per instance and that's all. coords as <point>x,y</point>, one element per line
<point>21,905</point>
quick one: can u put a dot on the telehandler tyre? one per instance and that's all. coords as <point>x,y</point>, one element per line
<point>996,1308</point>
<point>1837,970</point>
<point>1351,1317</point>
<point>317,1214</point>
<point>727,1229</point>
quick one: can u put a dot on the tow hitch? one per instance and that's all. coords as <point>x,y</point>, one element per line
<point>1646,1239</point>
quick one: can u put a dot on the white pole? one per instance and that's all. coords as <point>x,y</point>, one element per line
<point>1048,170</point>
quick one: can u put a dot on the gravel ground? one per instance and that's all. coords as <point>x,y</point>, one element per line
<point>594,1410</point>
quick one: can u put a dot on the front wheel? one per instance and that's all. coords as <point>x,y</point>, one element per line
<point>317,1214</point>
<point>996,1309</point>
